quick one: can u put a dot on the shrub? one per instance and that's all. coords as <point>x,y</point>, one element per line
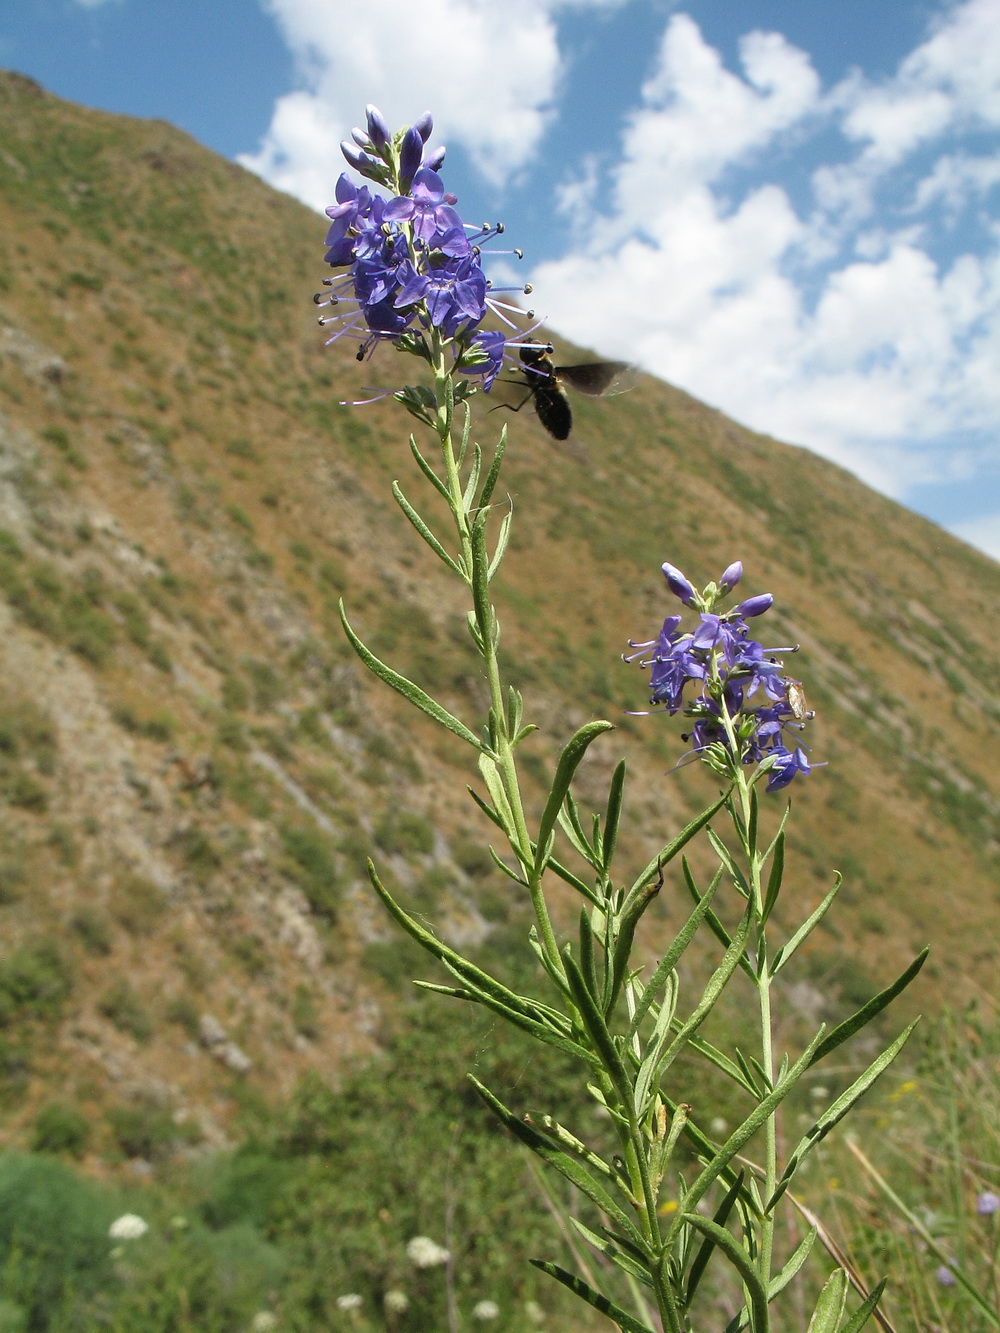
<point>34,981</point>
<point>122,1006</point>
<point>405,832</point>
<point>93,929</point>
<point>312,853</point>
<point>60,1128</point>
<point>143,1129</point>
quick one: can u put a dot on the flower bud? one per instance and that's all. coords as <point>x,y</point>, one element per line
<point>731,576</point>
<point>357,159</point>
<point>424,125</point>
<point>362,139</point>
<point>755,606</point>
<point>435,159</point>
<point>378,130</point>
<point>410,153</point>
<point>678,584</point>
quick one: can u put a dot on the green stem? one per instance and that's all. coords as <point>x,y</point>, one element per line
<point>506,765</point>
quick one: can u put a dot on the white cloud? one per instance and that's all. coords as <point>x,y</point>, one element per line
<point>880,361</point>
<point>489,73</point>
<point>983,532</point>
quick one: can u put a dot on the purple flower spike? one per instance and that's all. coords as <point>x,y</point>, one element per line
<point>731,576</point>
<point>678,584</point>
<point>435,160</point>
<point>987,1203</point>
<point>410,154</point>
<point>424,125</point>
<point>755,606</point>
<point>378,130</point>
<point>945,1276</point>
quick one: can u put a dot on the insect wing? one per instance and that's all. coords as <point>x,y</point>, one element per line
<point>597,378</point>
<point>797,702</point>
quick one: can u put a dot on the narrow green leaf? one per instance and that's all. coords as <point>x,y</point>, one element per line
<point>720,1218</point>
<point>628,919</point>
<point>503,538</point>
<point>807,927</point>
<point>494,472</point>
<point>713,922</point>
<point>740,1260</point>
<point>428,471</point>
<point>578,1287</point>
<point>425,531</point>
<point>545,1124</point>
<point>671,849</point>
<point>588,958</point>
<point>723,1062</point>
<point>575,837</point>
<point>837,1109</point>
<point>409,691</point>
<point>473,479</point>
<point>597,1029</point>
<point>865,1311</point>
<point>616,1253</point>
<point>562,1162</point>
<point>754,819</point>
<point>781,828</point>
<point>485,618</point>
<point>781,1280</point>
<point>727,859</point>
<point>569,761</point>
<point>612,817</point>
<point>874,1006</point>
<point>830,1306</point>
<point>671,958</point>
<point>775,877</point>
<point>501,805</point>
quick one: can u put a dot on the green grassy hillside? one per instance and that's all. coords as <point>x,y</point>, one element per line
<point>192,765</point>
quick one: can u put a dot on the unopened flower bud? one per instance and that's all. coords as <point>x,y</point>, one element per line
<point>678,584</point>
<point>378,130</point>
<point>731,576</point>
<point>410,153</point>
<point>357,159</point>
<point>362,139</point>
<point>424,125</point>
<point>755,606</point>
<point>435,159</point>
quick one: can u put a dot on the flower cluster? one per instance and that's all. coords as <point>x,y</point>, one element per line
<point>727,668</point>
<point>412,265</point>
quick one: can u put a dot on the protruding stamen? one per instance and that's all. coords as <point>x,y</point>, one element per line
<point>519,253</point>
<point>527,289</point>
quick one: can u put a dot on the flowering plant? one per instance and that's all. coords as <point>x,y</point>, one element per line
<point>412,277</point>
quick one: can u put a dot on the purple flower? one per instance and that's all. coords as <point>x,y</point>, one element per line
<point>726,668</point>
<point>428,208</point>
<point>987,1203</point>
<point>424,126</point>
<point>945,1276</point>
<point>678,584</point>
<point>378,130</point>
<point>411,152</point>
<point>484,356</point>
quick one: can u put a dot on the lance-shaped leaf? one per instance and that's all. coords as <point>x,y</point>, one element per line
<point>729,861</point>
<point>503,814</point>
<point>485,618</point>
<point>721,1217</point>
<point>578,1287</point>
<point>713,922</point>
<point>597,1029</point>
<point>566,1165</point>
<point>706,1150</point>
<point>545,1124</point>
<point>491,477</point>
<point>781,1280</point>
<point>874,1006</point>
<point>428,471</point>
<point>837,1110</point>
<point>672,957</point>
<point>544,1023</point>
<point>569,762</point>
<point>629,917</point>
<point>676,845</point>
<point>743,1133</point>
<point>775,877</point>
<point>716,984</point>
<point>613,814</point>
<point>409,691</point>
<point>830,1306</point>
<point>865,1311</point>
<point>807,927</point>
<point>501,547</point>
<point>425,531</point>
<point>618,1254</point>
<point>741,1261</point>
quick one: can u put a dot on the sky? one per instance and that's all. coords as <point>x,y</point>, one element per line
<point>791,210</point>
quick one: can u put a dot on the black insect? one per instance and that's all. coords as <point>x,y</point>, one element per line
<point>544,381</point>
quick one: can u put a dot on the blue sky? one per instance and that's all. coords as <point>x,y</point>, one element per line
<point>790,209</point>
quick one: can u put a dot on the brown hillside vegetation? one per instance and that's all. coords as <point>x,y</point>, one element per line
<point>193,766</point>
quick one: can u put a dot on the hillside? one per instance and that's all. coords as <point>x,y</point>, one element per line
<point>192,765</point>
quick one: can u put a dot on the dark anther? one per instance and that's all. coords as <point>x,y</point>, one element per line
<point>476,251</point>
<point>500,229</point>
<point>528,289</point>
<point>519,253</point>
<point>360,355</point>
<point>489,284</point>
<point>530,314</point>
<point>319,297</point>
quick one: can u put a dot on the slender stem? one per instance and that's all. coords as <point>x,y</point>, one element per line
<point>505,752</point>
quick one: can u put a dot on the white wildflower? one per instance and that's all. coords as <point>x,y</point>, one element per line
<point>396,1301</point>
<point>264,1321</point>
<point>718,1126</point>
<point>534,1312</point>
<point>129,1226</point>
<point>485,1310</point>
<point>426,1253</point>
<point>352,1301</point>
